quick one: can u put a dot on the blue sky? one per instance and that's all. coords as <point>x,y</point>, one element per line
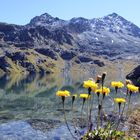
<point>21,11</point>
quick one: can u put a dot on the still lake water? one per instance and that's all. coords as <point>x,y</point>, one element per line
<point>33,97</point>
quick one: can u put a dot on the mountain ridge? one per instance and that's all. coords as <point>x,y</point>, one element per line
<point>78,40</point>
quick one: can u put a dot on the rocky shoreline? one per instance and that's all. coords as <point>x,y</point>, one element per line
<point>44,129</point>
<point>44,125</point>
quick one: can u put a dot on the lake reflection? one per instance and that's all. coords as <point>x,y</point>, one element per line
<point>33,96</point>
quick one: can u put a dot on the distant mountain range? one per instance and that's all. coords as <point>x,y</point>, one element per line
<point>46,40</point>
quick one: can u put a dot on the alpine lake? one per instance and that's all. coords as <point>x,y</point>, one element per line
<point>30,109</point>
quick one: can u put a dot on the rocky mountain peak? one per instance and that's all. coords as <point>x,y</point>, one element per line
<point>113,15</point>
<point>116,24</point>
<point>45,20</point>
<point>115,18</point>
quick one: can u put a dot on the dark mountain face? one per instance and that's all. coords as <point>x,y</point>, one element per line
<point>111,36</point>
<point>97,35</point>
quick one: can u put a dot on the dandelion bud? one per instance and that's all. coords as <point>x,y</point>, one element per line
<point>128,81</point>
<point>98,78</point>
<point>103,76</point>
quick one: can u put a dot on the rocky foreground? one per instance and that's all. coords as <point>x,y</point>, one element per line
<point>55,129</point>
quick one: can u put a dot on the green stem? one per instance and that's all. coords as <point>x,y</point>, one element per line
<point>120,115</point>
<point>119,109</point>
<point>74,123</point>
<point>99,116</point>
<point>63,100</point>
<point>129,99</point>
<point>84,99</point>
<point>123,110</point>
<point>88,106</point>
<point>102,102</point>
<point>116,89</point>
<point>90,112</point>
<point>98,119</point>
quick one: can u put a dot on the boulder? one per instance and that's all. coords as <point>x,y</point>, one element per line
<point>67,55</point>
<point>44,125</point>
<point>134,75</point>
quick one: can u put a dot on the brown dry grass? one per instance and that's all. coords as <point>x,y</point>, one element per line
<point>134,124</point>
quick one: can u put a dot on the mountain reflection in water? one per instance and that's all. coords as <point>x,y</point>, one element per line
<point>33,96</point>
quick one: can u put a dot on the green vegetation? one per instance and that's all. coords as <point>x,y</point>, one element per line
<point>29,61</point>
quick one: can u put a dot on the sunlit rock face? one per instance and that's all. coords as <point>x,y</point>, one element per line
<point>111,37</point>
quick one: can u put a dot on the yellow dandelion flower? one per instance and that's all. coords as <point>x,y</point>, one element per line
<point>86,96</point>
<point>103,76</point>
<point>105,90</point>
<point>98,90</point>
<point>63,93</point>
<point>90,84</point>
<point>132,88</point>
<point>119,100</point>
<point>117,84</point>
